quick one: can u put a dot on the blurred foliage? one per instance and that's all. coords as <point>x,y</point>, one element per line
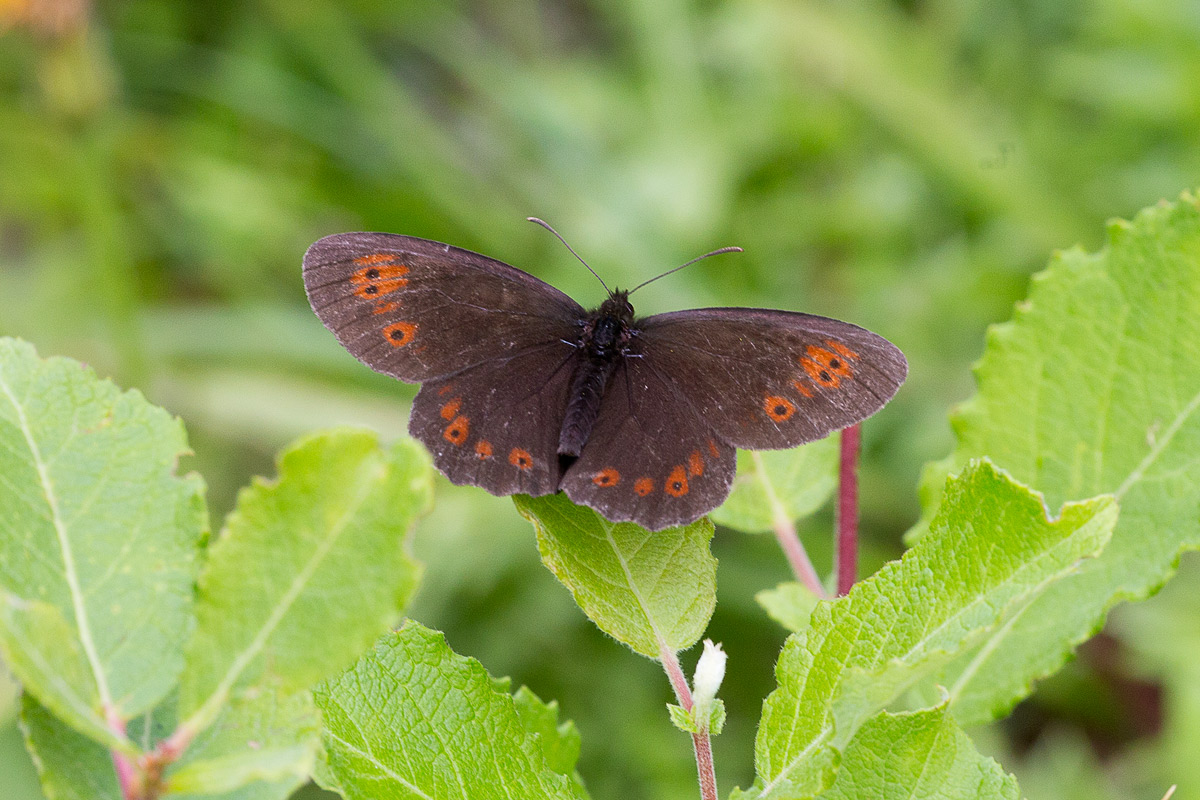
<point>904,165</point>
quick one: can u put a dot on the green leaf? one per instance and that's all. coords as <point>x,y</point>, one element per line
<point>261,748</point>
<point>921,755</point>
<point>772,484</point>
<point>1092,388</point>
<point>560,743</point>
<point>95,526</point>
<point>648,590</point>
<point>790,604</point>
<point>682,719</point>
<point>309,569</point>
<point>989,551</point>
<point>70,765</point>
<point>264,742</point>
<point>412,719</point>
<point>10,695</point>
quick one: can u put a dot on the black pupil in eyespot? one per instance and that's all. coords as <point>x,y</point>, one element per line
<point>372,273</point>
<point>833,362</point>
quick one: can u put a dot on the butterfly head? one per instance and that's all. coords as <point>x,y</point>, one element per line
<point>618,307</point>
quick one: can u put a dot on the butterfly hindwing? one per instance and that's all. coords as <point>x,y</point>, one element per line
<point>419,310</point>
<point>650,458</point>
<point>495,425</point>
<point>767,380</point>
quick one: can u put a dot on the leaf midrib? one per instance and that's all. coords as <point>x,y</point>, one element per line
<point>70,572</point>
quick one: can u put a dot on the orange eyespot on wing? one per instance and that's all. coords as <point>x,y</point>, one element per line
<point>677,482</point>
<point>483,449</point>
<point>607,477</point>
<point>456,432</point>
<point>643,486</point>
<point>778,408</point>
<point>521,459</point>
<point>820,375</point>
<point>695,464</point>
<point>378,278</point>
<point>399,334</point>
<point>841,350</point>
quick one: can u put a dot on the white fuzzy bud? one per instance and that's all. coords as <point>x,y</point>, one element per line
<point>710,671</point>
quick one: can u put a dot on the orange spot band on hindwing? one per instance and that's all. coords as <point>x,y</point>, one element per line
<point>399,334</point>
<point>383,308</point>
<point>695,464</point>
<point>450,410</point>
<point>778,408</point>
<point>456,432</point>
<point>483,449</point>
<point>607,477</point>
<point>712,449</point>
<point>677,482</point>
<point>521,459</point>
<point>643,486</point>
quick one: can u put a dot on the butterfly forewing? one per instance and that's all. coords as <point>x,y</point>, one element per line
<point>767,380</point>
<point>419,310</point>
<point>651,458</point>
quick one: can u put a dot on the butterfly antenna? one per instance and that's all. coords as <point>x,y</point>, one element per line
<point>546,225</point>
<point>688,264</point>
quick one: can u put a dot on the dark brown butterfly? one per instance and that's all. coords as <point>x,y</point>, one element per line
<point>524,391</point>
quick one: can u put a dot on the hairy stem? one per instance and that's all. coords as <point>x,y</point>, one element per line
<point>701,743</point>
<point>847,516</point>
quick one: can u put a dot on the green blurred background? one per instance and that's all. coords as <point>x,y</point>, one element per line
<point>904,165</point>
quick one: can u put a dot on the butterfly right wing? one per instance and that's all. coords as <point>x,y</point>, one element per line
<point>419,310</point>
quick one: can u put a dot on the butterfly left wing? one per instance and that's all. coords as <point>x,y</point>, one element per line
<point>696,384</point>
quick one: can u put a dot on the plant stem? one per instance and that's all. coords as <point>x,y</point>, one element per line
<point>785,533</point>
<point>847,517</point>
<point>701,743</point>
<point>127,776</point>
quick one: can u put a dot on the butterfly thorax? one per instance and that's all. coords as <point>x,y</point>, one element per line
<point>603,341</point>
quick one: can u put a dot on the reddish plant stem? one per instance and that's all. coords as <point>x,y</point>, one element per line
<point>127,776</point>
<point>701,743</point>
<point>847,517</point>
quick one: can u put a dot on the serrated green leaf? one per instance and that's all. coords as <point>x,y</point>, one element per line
<point>779,483</point>
<point>70,765</point>
<point>560,743</point>
<point>990,549</point>
<point>1092,388</point>
<point>412,719</point>
<point>682,719</point>
<point>649,590</point>
<point>263,744</point>
<point>920,755</point>
<point>309,569</point>
<point>790,604</point>
<point>94,523</point>
<point>49,653</point>
<point>261,747</point>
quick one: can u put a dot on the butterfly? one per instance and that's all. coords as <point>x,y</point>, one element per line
<point>525,391</point>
